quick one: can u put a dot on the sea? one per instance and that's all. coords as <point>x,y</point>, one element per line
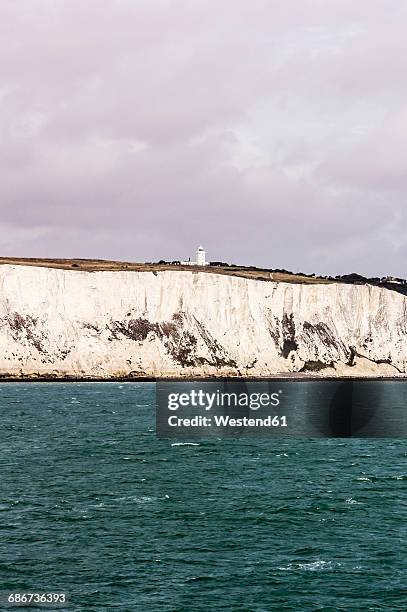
<point>94,505</point>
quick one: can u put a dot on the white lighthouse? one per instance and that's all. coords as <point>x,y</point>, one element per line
<point>200,257</point>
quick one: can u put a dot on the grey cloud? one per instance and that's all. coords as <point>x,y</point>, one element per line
<point>121,131</point>
<point>378,162</point>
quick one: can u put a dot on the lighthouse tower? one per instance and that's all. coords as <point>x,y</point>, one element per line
<point>200,257</point>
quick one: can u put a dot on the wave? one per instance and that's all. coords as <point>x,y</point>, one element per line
<point>185,444</point>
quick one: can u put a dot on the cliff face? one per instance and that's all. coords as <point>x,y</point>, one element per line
<point>109,324</point>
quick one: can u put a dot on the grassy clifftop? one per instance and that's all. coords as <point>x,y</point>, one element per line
<point>99,265</point>
<point>95,265</point>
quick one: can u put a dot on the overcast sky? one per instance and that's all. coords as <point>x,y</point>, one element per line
<point>273,132</point>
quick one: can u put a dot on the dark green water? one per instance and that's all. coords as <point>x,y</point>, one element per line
<point>91,503</point>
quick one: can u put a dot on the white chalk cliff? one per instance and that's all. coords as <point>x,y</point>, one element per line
<point>56,322</point>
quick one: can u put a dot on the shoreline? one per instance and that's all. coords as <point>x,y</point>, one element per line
<point>234,379</point>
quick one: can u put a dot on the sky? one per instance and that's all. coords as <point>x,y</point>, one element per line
<point>273,133</point>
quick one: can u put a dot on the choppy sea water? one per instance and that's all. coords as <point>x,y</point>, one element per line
<point>91,503</point>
